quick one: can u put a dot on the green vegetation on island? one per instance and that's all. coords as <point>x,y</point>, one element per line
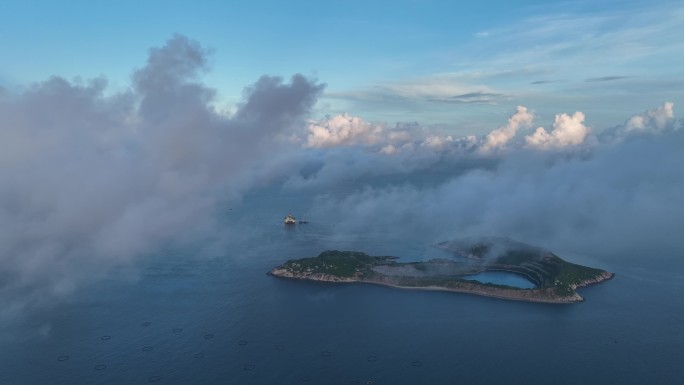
<point>343,264</point>
<point>555,280</point>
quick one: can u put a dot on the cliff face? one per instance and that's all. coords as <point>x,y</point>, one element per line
<point>604,276</point>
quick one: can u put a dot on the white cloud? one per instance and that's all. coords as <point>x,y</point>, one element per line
<point>344,130</point>
<point>567,131</point>
<point>436,142</point>
<point>390,149</point>
<point>655,120</point>
<point>499,138</point>
<point>399,136</point>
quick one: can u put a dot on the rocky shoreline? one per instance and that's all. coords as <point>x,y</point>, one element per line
<point>600,278</point>
<point>542,295</point>
<point>555,279</point>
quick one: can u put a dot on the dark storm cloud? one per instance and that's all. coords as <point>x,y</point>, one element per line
<point>90,180</point>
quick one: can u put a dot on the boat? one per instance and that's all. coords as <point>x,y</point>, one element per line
<point>290,219</point>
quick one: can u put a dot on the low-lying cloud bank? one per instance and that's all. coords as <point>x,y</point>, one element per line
<point>621,198</point>
<point>567,188</point>
<point>91,180</point>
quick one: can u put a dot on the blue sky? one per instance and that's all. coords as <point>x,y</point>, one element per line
<point>466,66</point>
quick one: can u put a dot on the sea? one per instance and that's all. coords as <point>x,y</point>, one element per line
<point>178,317</point>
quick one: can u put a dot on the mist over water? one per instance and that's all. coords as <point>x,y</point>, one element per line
<point>137,229</point>
<point>221,319</point>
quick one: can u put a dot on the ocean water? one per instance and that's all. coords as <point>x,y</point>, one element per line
<point>221,320</point>
<point>501,278</point>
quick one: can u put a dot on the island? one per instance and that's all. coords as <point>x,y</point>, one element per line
<point>554,279</point>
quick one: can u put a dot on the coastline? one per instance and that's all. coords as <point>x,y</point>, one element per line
<point>539,295</point>
<point>555,280</point>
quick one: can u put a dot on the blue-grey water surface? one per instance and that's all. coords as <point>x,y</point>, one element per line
<point>501,278</point>
<point>222,320</point>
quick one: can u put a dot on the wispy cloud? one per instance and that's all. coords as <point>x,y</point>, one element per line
<point>606,79</point>
<point>424,95</point>
<point>471,98</point>
<point>575,43</point>
<point>544,82</point>
<point>549,60</point>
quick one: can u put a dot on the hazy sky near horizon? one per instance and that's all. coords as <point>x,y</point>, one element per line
<point>462,65</point>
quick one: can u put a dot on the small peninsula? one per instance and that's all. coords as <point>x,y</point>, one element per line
<point>554,279</point>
